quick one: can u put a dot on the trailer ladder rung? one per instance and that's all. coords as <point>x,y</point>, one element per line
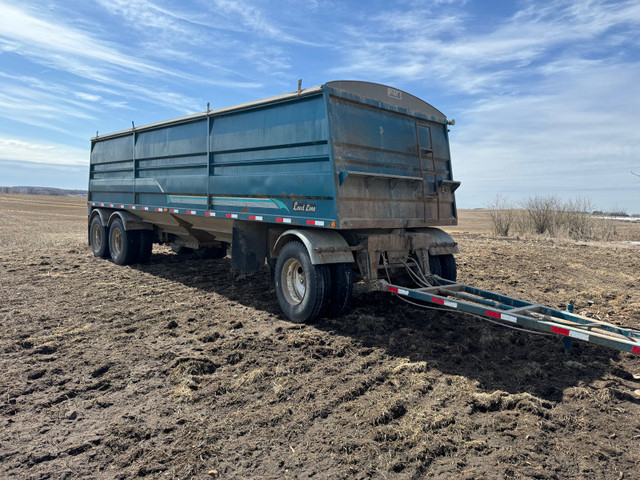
<point>533,316</point>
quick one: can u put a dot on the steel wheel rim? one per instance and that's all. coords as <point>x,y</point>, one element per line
<point>96,236</point>
<point>294,281</point>
<point>116,241</point>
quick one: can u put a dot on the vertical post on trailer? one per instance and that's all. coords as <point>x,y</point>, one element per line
<point>568,341</point>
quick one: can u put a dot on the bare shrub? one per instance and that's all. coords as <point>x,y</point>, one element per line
<point>502,215</point>
<point>541,213</point>
<point>575,219</point>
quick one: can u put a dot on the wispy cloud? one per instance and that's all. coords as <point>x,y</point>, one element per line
<point>422,44</point>
<point>33,151</point>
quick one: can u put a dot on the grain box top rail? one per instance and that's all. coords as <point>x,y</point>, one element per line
<point>365,92</point>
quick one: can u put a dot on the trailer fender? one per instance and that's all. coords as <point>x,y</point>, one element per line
<point>438,242</point>
<point>323,246</point>
<point>104,215</point>
<point>129,221</point>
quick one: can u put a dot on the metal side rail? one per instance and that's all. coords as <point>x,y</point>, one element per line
<point>532,316</point>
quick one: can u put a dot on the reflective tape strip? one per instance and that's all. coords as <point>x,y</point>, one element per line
<point>579,335</point>
<point>132,207</point>
<point>145,208</point>
<point>111,205</point>
<point>501,316</point>
<point>635,350</point>
<point>232,215</point>
<point>439,301</point>
<point>210,214</point>
<point>102,204</point>
<point>158,209</point>
<point>561,331</point>
<point>255,217</point>
<point>283,220</point>
<point>191,212</point>
<point>316,223</point>
<point>120,206</point>
<point>451,304</point>
<point>400,291</point>
<point>175,210</point>
<point>570,333</point>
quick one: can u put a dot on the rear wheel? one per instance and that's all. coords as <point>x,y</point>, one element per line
<point>124,245</point>
<point>146,245</point>
<point>303,289</point>
<point>341,288</point>
<point>448,265</point>
<point>435,266</point>
<point>99,238</point>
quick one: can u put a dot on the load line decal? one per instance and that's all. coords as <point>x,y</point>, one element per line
<point>328,223</point>
<point>552,321</point>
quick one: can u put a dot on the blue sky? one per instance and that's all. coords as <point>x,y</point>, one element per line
<point>546,94</point>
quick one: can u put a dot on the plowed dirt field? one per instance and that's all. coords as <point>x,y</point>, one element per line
<point>181,369</point>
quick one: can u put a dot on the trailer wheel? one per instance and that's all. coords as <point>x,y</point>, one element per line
<point>124,245</point>
<point>448,265</point>
<point>99,238</point>
<point>146,246</point>
<point>303,289</point>
<point>341,288</point>
<point>435,266</point>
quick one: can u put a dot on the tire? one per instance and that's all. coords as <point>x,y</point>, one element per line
<point>99,238</point>
<point>435,265</point>
<point>146,245</point>
<point>448,265</point>
<point>303,289</point>
<point>341,288</point>
<point>124,245</point>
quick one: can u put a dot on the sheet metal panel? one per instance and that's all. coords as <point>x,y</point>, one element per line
<point>288,157</point>
<point>376,140</point>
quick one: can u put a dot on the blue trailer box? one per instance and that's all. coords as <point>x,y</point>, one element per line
<point>357,173</point>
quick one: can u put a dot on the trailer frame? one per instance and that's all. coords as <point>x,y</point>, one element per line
<point>511,311</point>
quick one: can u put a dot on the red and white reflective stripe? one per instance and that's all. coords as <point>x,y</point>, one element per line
<point>158,209</point>
<point>120,206</point>
<point>316,223</point>
<point>210,214</point>
<point>635,350</point>
<point>399,291</point>
<point>145,208</point>
<point>191,212</point>
<point>570,333</point>
<point>232,215</point>
<point>283,220</point>
<point>174,210</point>
<point>446,303</point>
<point>132,207</point>
<point>111,205</point>
<point>255,217</point>
<point>502,316</point>
<point>102,204</point>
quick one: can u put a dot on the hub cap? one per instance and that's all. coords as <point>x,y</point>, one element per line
<point>294,281</point>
